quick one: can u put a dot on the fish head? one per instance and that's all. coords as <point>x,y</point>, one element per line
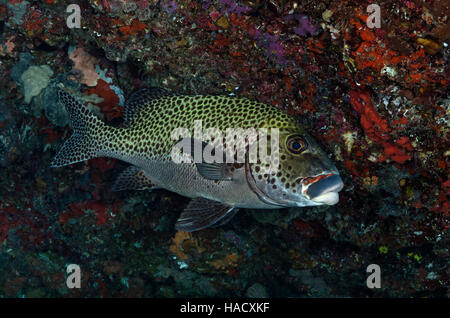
<point>300,174</point>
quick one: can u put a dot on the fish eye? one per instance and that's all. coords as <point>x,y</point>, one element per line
<point>296,144</point>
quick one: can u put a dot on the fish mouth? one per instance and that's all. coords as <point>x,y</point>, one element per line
<point>323,188</point>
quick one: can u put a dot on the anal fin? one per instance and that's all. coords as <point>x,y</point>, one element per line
<point>226,218</point>
<point>202,213</point>
<point>133,178</point>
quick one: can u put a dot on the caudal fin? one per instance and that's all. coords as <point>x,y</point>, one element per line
<point>85,142</point>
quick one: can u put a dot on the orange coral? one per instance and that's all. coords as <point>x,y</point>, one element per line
<point>85,63</point>
<point>231,260</point>
<point>135,27</point>
<point>177,241</point>
<point>377,128</point>
<point>182,243</point>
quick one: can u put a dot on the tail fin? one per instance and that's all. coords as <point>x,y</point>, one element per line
<point>85,142</point>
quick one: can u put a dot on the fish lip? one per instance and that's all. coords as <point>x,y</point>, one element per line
<point>329,198</point>
<point>325,189</point>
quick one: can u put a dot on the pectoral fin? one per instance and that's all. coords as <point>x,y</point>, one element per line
<point>202,213</point>
<point>214,169</point>
<point>133,178</point>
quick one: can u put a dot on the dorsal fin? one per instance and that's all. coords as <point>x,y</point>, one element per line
<point>141,99</point>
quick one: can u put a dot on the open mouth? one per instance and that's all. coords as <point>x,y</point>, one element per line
<point>323,188</point>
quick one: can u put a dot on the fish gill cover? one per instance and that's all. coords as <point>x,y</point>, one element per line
<point>375,99</point>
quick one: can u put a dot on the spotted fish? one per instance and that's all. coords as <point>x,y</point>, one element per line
<point>305,176</point>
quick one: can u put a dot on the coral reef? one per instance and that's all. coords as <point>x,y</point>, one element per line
<point>375,98</point>
<point>34,80</point>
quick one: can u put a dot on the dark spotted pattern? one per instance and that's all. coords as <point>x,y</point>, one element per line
<point>87,138</point>
<point>154,119</point>
<point>149,134</point>
<point>133,178</point>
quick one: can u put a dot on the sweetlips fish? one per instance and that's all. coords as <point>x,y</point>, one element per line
<point>301,174</point>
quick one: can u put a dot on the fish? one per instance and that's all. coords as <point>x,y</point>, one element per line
<point>301,175</point>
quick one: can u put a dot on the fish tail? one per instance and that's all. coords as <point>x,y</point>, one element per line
<point>87,140</point>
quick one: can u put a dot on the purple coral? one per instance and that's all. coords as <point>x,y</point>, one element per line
<point>230,6</point>
<point>304,26</point>
<point>169,6</point>
<point>232,237</point>
<point>272,45</point>
<point>206,4</point>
